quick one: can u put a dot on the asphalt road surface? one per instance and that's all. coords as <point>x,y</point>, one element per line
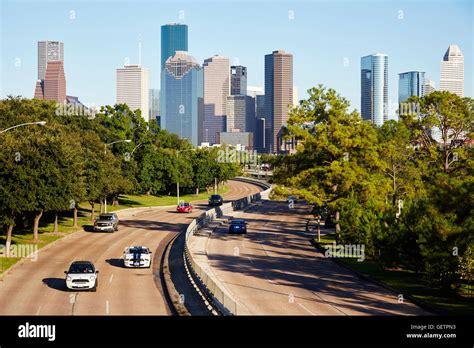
<point>274,270</point>
<point>38,288</point>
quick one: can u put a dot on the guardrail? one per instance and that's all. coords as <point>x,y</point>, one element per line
<point>220,299</point>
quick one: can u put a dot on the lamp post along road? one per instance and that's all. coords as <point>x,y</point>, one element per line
<point>40,123</point>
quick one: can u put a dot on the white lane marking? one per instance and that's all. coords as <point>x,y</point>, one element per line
<point>306,309</point>
<point>111,277</point>
<point>39,309</point>
<point>107,307</point>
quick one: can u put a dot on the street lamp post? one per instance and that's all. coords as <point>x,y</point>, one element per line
<point>105,152</point>
<point>115,142</point>
<point>40,123</point>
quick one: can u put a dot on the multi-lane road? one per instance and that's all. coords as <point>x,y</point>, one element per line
<point>274,270</point>
<point>38,287</point>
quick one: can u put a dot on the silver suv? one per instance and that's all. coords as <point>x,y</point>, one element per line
<point>106,223</point>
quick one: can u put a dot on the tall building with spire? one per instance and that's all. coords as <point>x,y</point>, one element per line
<point>374,88</point>
<point>452,71</point>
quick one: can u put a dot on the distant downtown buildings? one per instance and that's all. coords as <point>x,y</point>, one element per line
<point>212,104</point>
<point>374,83</point>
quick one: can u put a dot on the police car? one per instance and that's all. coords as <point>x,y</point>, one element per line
<point>137,256</point>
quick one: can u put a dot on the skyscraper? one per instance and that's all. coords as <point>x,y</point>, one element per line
<point>53,86</point>
<point>48,51</point>
<point>240,113</point>
<point>374,88</point>
<point>429,87</point>
<point>452,71</point>
<point>216,89</point>
<point>51,82</point>
<point>132,88</point>
<point>181,100</point>
<point>278,95</point>
<point>411,83</point>
<point>174,37</point>
<point>238,80</point>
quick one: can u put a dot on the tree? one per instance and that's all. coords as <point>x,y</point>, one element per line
<point>337,156</point>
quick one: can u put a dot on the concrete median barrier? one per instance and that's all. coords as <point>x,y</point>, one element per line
<point>217,295</point>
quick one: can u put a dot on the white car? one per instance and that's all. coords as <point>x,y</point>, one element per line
<point>82,275</point>
<point>137,256</point>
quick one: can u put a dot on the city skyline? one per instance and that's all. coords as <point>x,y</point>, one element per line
<point>343,68</point>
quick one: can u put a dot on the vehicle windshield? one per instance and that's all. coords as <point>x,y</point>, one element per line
<point>215,196</point>
<point>136,250</point>
<point>81,268</point>
<point>238,222</point>
<point>106,217</point>
<point>184,205</point>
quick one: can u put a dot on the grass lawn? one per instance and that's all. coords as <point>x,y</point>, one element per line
<point>410,283</point>
<point>65,222</point>
<point>132,201</point>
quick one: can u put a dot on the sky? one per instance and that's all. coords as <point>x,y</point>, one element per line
<point>327,39</point>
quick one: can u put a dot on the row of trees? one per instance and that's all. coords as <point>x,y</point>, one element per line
<point>394,188</point>
<point>71,159</point>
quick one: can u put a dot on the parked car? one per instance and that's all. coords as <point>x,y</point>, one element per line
<point>106,222</point>
<point>238,226</point>
<point>137,256</point>
<point>215,200</point>
<point>184,208</point>
<point>82,275</point>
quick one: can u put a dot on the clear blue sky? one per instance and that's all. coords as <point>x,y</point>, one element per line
<point>321,34</point>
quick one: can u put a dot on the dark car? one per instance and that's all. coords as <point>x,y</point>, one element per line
<point>238,226</point>
<point>106,222</point>
<point>215,200</point>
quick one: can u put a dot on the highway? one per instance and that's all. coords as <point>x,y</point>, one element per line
<point>38,288</point>
<point>274,270</point>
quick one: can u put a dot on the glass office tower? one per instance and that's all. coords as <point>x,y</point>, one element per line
<point>174,37</point>
<point>410,83</point>
<point>374,88</point>
<point>182,97</point>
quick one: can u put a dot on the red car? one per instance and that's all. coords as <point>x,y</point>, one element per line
<point>184,208</point>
